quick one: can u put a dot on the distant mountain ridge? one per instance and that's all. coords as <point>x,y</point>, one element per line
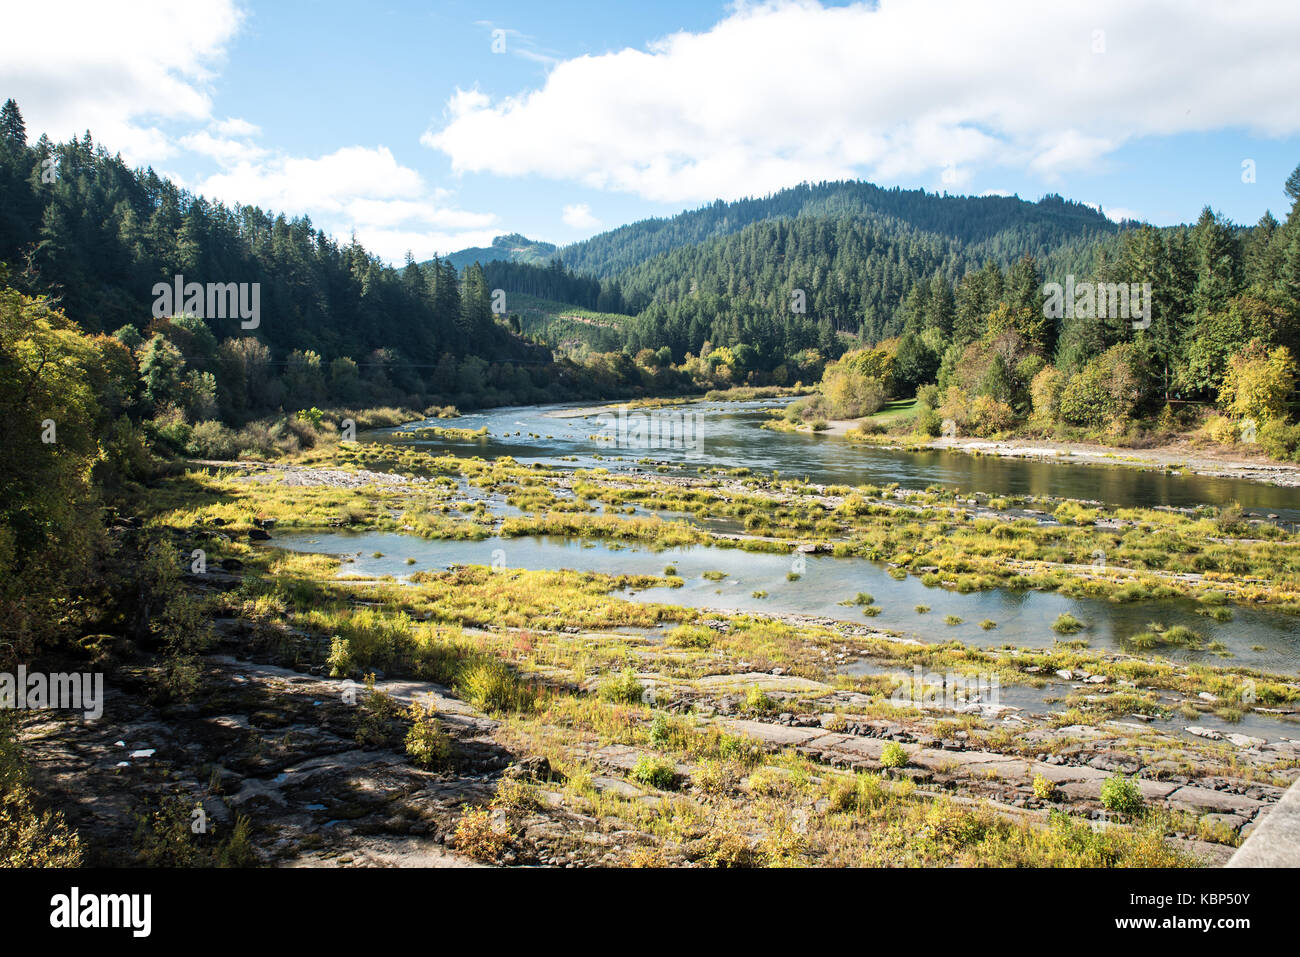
<point>514,247</point>
<point>972,220</point>
<point>975,221</point>
<point>854,252</point>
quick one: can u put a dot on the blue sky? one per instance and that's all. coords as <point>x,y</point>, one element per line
<point>402,123</point>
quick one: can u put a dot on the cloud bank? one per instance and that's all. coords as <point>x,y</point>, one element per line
<point>787,91</point>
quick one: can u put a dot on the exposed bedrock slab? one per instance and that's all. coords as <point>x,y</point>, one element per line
<point>1090,789</point>
<point>762,679</point>
<point>774,733</point>
<point>1194,798</point>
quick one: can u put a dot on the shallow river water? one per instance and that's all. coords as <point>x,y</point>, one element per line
<point>728,436</point>
<point>1255,637</point>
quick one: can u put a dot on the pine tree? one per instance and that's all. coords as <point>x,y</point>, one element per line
<point>1218,261</point>
<point>475,303</point>
<point>1262,254</point>
<point>941,309</point>
<point>13,131</point>
<point>1291,188</point>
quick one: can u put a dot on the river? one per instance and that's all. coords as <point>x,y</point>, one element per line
<point>729,437</point>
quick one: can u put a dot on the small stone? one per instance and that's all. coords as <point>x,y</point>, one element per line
<point>537,768</point>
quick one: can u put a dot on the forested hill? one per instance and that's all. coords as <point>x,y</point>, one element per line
<point>514,248</point>
<point>78,224</point>
<point>1000,227</point>
<point>790,283</point>
<point>727,273</point>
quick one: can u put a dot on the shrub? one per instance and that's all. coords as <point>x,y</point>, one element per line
<point>758,700</point>
<point>690,636</point>
<point>212,440</point>
<point>164,837</point>
<point>426,743</point>
<point>172,432</point>
<point>893,755</point>
<point>1044,789</point>
<point>654,772</point>
<point>29,837</point>
<point>1072,513</point>
<point>237,851</point>
<point>660,731</point>
<point>948,825</point>
<point>928,421</point>
<point>857,794</point>
<point>492,686</point>
<point>340,658</point>
<point>988,416</point>
<point>716,777</point>
<point>1108,390</point>
<point>622,688</point>
<point>1259,382</point>
<point>475,836</point>
<point>728,847</point>
<point>1045,393</point>
<point>1222,429</point>
<point>1231,520</point>
<point>743,750</point>
<point>1067,624</point>
<point>1120,794</point>
<point>955,408</point>
<point>376,714</point>
<point>515,795</point>
<point>1280,439</point>
<point>857,385</point>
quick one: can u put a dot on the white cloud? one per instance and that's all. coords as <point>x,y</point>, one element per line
<point>904,89</point>
<point>324,185</point>
<point>74,65</point>
<point>1117,214</point>
<point>235,126</point>
<point>392,245</point>
<point>579,216</point>
<point>139,78</point>
<point>356,189</point>
<point>223,150</point>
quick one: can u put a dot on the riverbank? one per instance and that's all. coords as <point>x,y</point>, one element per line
<point>1173,458</point>
<point>568,716</point>
<point>1182,457</point>
<point>724,740</point>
